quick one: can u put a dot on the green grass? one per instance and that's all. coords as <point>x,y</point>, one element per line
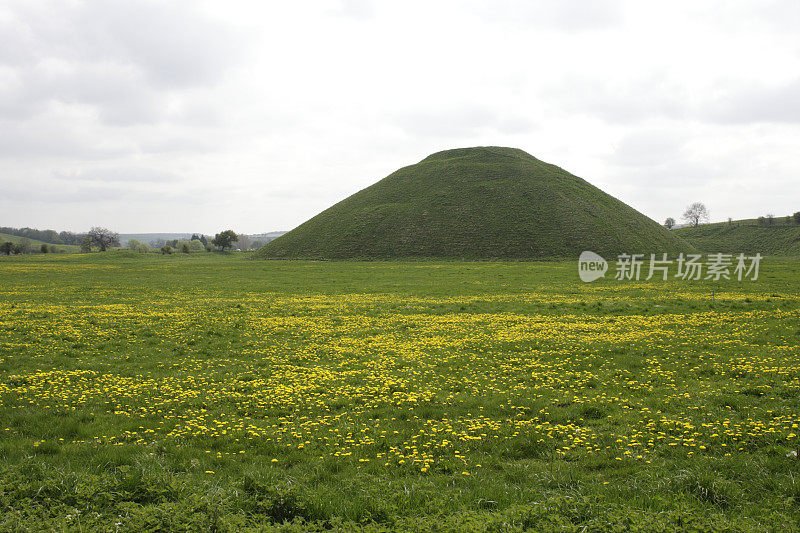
<point>475,203</point>
<point>745,236</point>
<point>211,392</point>
<point>36,245</point>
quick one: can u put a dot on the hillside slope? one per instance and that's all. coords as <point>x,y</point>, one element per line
<point>475,203</point>
<point>35,244</point>
<point>743,237</point>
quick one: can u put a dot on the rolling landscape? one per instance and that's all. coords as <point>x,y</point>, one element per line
<point>429,388</point>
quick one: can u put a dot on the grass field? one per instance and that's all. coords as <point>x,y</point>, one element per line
<point>210,392</point>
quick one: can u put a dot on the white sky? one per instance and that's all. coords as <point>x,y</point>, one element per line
<point>199,116</point>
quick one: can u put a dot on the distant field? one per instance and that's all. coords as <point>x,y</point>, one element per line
<point>70,248</point>
<point>212,392</point>
<point>744,236</point>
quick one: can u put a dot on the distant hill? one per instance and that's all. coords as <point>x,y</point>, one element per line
<point>476,203</point>
<point>36,244</point>
<point>745,236</point>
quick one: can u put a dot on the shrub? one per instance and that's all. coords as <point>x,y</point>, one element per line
<point>166,250</point>
<point>44,249</point>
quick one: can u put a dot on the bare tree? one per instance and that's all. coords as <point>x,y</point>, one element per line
<point>696,213</point>
<point>669,223</point>
<point>244,242</point>
<point>103,238</point>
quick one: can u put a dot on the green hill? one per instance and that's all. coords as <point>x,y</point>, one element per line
<point>36,245</point>
<point>475,203</point>
<point>745,236</point>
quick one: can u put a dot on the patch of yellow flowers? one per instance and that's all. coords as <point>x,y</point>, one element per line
<point>384,381</point>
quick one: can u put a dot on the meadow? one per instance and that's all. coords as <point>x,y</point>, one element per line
<point>215,392</point>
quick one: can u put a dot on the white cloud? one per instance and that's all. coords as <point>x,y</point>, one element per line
<point>196,115</point>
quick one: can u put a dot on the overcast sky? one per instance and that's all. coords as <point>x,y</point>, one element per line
<point>199,116</point>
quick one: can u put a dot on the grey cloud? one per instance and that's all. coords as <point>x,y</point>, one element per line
<point>757,104</point>
<point>123,57</point>
<point>84,195</point>
<point>643,99</point>
<point>35,139</point>
<point>117,174</point>
<point>648,149</point>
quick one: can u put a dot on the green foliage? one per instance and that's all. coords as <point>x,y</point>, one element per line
<point>166,250</point>
<point>475,203</point>
<point>6,247</point>
<point>796,218</point>
<point>225,239</point>
<point>138,246</point>
<point>44,248</point>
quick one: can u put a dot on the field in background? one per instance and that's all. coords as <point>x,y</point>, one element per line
<point>210,391</point>
<point>36,245</point>
<point>745,236</point>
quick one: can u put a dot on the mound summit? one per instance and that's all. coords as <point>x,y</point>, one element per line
<point>475,203</point>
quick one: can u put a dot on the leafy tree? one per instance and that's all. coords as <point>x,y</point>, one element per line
<point>24,246</point>
<point>103,238</point>
<point>770,219</point>
<point>762,221</point>
<point>225,239</point>
<point>186,248</point>
<point>7,247</point>
<point>696,213</point>
<point>86,244</point>
<point>669,223</point>
<point>796,217</point>
<point>165,250</point>
<point>67,237</point>
<point>138,246</point>
<point>44,249</point>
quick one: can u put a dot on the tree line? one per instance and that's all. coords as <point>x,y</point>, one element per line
<point>45,235</point>
<point>101,239</point>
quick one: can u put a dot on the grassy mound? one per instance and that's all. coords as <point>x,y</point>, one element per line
<point>745,236</point>
<point>475,203</point>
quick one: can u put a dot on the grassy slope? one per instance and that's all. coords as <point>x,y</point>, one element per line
<point>475,203</point>
<point>35,245</point>
<point>744,236</point>
<point>122,348</point>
